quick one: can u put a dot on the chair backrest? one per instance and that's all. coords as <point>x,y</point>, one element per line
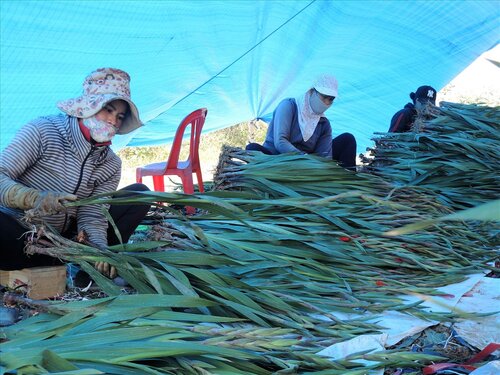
<point>196,119</point>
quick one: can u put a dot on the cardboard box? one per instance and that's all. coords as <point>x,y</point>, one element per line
<point>37,282</point>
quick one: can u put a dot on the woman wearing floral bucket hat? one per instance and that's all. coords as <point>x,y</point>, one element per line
<point>300,126</point>
<point>60,158</point>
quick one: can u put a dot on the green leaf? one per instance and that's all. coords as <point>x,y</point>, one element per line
<point>486,212</point>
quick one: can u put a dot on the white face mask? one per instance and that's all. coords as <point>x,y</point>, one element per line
<point>100,131</point>
<point>317,104</point>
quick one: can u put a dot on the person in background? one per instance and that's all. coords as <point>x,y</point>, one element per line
<point>61,158</point>
<point>403,120</point>
<point>299,125</point>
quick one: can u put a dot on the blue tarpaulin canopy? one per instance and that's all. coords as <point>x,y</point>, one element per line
<point>236,58</point>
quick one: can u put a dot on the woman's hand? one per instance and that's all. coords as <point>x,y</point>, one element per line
<point>106,269</point>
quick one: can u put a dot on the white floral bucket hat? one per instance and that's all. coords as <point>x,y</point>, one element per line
<point>99,88</point>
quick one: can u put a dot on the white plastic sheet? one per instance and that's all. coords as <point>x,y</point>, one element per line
<point>476,294</point>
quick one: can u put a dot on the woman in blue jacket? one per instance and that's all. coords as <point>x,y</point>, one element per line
<point>299,126</point>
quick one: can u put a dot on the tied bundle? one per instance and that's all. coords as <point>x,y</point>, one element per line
<point>452,150</point>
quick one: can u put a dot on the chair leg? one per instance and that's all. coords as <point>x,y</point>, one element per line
<point>138,175</point>
<point>158,183</point>
<point>187,183</point>
<point>199,177</point>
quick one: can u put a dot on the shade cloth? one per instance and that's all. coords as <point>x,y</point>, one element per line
<point>236,58</point>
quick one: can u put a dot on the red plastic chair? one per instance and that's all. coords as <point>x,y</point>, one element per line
<point>183,169</point>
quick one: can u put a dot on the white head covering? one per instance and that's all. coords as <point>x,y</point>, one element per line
<point>327,85</point>
<point>308,119</point>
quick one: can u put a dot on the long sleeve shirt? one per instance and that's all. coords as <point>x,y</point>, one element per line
<point>402,120</point>
<point>284,135</point>
<point>51,154</point>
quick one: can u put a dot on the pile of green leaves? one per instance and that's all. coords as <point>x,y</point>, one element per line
<point>276,264</point>
<point>453,150</point>
<point>278,255</point>
<point>146,334</point>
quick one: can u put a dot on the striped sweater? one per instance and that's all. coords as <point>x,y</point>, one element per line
<point>51,154</point>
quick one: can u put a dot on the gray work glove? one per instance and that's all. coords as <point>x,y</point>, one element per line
<point>40,202</point>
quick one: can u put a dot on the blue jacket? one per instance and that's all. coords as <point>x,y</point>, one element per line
<point>284,135</point>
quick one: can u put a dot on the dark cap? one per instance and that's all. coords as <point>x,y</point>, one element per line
<point>424,94</point>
